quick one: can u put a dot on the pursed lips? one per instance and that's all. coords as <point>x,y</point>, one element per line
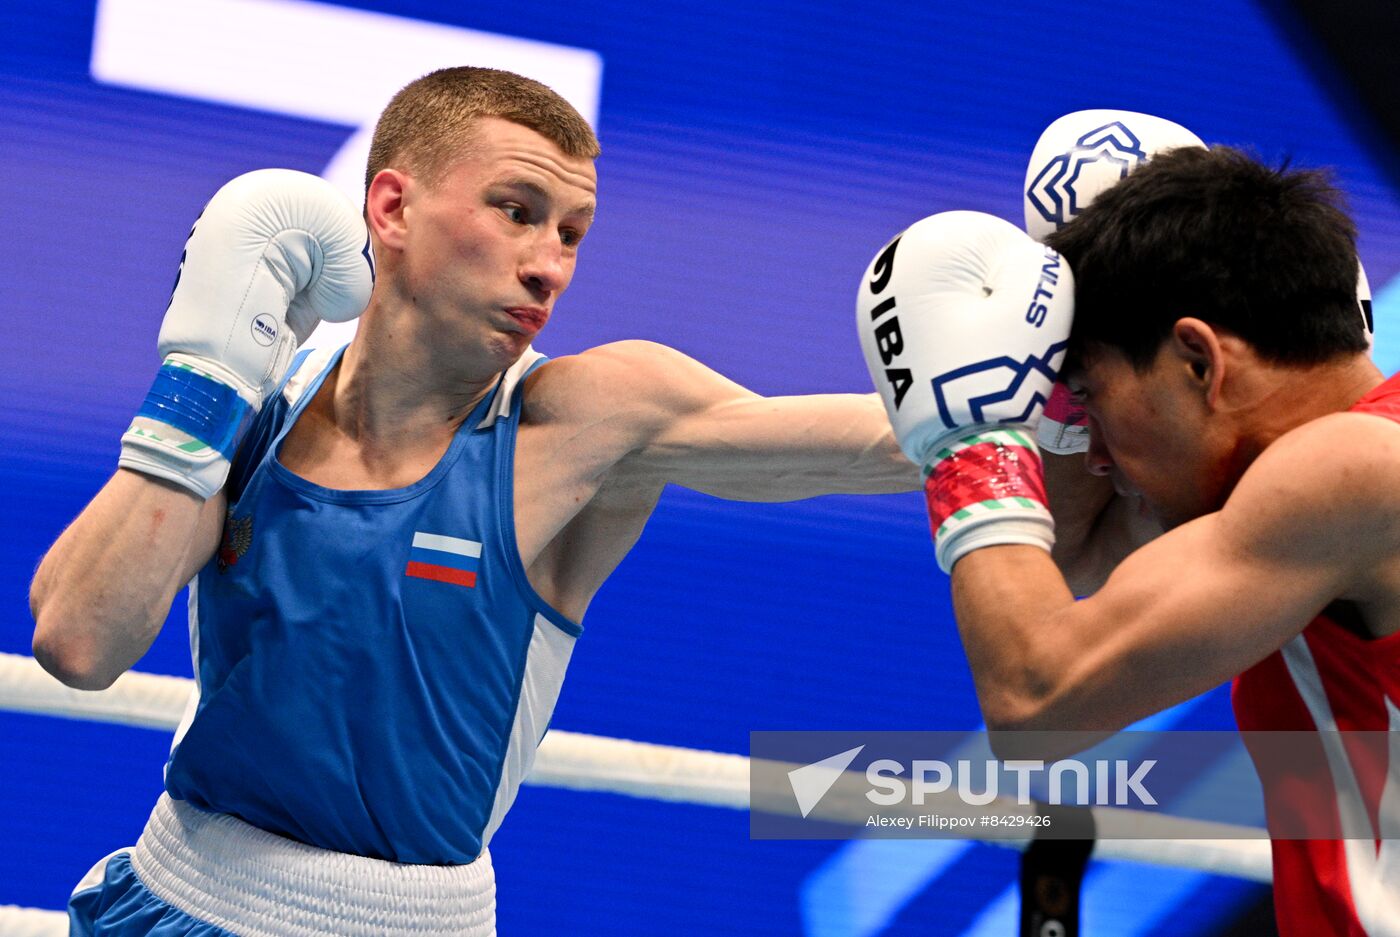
<point>532,318</point>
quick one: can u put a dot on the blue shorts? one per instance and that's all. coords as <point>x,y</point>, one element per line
<point>121,906</point>
<point>191,867</point>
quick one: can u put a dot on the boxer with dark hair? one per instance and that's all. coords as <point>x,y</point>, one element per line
<point>1218,354</point>
<point>1220,360</point>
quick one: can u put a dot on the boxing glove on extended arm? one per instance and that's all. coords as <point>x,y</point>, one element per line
<point>964,321</point>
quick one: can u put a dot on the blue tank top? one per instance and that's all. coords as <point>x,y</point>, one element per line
<point>374,670</point>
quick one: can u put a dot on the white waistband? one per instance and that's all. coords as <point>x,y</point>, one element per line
<point>218,869</point>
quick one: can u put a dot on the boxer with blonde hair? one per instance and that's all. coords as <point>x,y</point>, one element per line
<point>391,547</point>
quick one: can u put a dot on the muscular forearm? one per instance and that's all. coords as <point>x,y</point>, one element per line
<point>1042,661</point>
<point>855,449</point>
<point>103,590</point>
<point>755,448</point>
<point>1007,599</point>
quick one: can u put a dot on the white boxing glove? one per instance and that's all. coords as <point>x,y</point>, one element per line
<point>1083,153</point>
<point>1363,299</point>
<point>1076,158</point>
<point>274,252</point>
<point>964,322</point>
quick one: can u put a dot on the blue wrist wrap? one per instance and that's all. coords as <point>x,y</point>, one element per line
<point>199,406</point>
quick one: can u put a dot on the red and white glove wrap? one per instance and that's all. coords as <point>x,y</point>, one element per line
<point>964,321</point>
<point>984,489</point>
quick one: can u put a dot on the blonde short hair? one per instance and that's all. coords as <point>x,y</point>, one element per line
<point>432,119</point>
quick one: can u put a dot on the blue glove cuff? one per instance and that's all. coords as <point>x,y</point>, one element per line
<point>209,411</point>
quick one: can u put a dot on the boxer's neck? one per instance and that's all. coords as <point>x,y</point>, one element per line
<point>1273,399</point>
<point>397,381</point>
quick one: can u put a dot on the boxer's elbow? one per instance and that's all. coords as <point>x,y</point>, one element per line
<point>1030,729</point>
<point>1027,702</point>
<point>1013,712</point>
<point>51,645</point>
<point>1035,742</point>
<point>65,645</point>
<point>74,663</point>
<point>1044,719</point>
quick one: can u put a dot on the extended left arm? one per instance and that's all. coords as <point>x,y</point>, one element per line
<point>715,436</point>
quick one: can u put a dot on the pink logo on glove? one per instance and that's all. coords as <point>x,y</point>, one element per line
<point>1062,409</point>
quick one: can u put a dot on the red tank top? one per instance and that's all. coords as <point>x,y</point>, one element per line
<point>1328,679</point>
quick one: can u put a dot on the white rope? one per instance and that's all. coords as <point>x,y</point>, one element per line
<point>31,922</point>
<point>582,762</point>
<point>566,759</point>
<point>136,699</point>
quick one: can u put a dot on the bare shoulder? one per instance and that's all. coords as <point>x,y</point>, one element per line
<point>1337,478</point>
<point>634,363</point>
<point>646,381</point>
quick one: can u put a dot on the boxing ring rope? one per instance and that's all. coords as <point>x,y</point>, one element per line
<point>581,762</point>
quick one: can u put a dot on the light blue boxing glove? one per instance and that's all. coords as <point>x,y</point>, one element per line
<point>274,252</point>
<point>964,322</point>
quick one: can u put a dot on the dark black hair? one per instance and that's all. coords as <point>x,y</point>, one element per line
<point>1268,254</point>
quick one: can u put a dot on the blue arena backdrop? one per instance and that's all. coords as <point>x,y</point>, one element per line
<point>755,155</point>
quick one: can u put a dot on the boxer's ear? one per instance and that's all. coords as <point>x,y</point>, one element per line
<point>1199,348</point>
<point>385,201</point>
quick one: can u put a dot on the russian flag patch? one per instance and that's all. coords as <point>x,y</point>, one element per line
<point>444,559</point>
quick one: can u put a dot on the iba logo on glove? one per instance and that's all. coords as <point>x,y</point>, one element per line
<point>889,341</point>
<point>264,329</point>
<point>992,383</point>
<point>1109,153</point>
